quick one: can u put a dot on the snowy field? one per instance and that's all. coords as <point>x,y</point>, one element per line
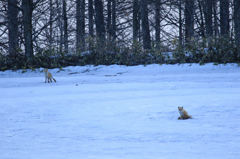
<point>112,112</point>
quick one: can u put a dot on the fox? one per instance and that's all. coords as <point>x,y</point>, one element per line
<point>183,114</point>
<point>48,76</point>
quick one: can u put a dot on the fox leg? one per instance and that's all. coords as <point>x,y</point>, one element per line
<point>46,79</point>
<point>180,117</point>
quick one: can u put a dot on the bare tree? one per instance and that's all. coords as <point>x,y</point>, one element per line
<point>27,9</point>
<point>99,20</point>
<point>208,5</point>
<point>237,23</point>
<point>136,18</point>
<point>80,15</point>
<point>13,27</point>
<point>114,27</point>
<point>157,22</point>
<point>65,26</point>
<point>90,17</point>
<point>145,25</point>
<point>189,20</point>
<point>59,26</point>
<point>215,16</point>
<point>51,25</point>
<point>224,17</point>
<point>109,19</point>
<point>38,25</point>
<point>201,20</point>
<point>180,23</point>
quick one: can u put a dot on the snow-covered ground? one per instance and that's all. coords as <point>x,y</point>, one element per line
<point>111,112</point>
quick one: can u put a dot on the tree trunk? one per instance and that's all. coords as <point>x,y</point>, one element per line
<point>114,28</point>
<point>27,8</point>
<point>145,25</point>
<point>99,21</point>
<point>80,15</point>
<point>90,17</point>
<point>51,25</point>
<point>83,24</point>
<point>135,20</point>
<point>189,20</point>
<point>109,19</point>
<point>65,27</point>
<point>216,32</point>
<point>180,23</point>
<point>237,23</point>
<point>157,22</point>
<point>13,27</point>
<point>208,5</point>
<point>224,17</point>
<point>208,17</point>
<point>201,8</point>
<point>78,27</point>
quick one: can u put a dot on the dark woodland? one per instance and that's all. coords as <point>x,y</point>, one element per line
<point>58,33</point>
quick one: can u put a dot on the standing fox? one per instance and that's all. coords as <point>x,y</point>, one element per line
<point>183,114</point>
<point>48,76</point>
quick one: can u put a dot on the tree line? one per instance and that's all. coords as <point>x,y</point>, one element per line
<point>206,28</point>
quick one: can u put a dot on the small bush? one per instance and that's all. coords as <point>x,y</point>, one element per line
<point>220,50</point>
<point>99,52</point>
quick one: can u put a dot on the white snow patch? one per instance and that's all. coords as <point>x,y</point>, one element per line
<point>131,113</point>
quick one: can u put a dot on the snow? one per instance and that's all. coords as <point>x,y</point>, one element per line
<point>112,112</point>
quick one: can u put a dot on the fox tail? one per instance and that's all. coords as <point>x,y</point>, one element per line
<point>186,117</point>
<point>54,80</point>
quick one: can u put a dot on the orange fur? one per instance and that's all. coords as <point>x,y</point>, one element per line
<point>48,76</point>
<point>183,113</point>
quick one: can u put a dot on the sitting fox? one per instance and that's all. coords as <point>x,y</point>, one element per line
<point>48,76</point>
<point>183,114</point>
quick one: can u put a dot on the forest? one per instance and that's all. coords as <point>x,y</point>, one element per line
<point>59,33</point>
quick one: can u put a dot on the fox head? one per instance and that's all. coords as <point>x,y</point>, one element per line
<point>45,70</point>
<point>180,108</point>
